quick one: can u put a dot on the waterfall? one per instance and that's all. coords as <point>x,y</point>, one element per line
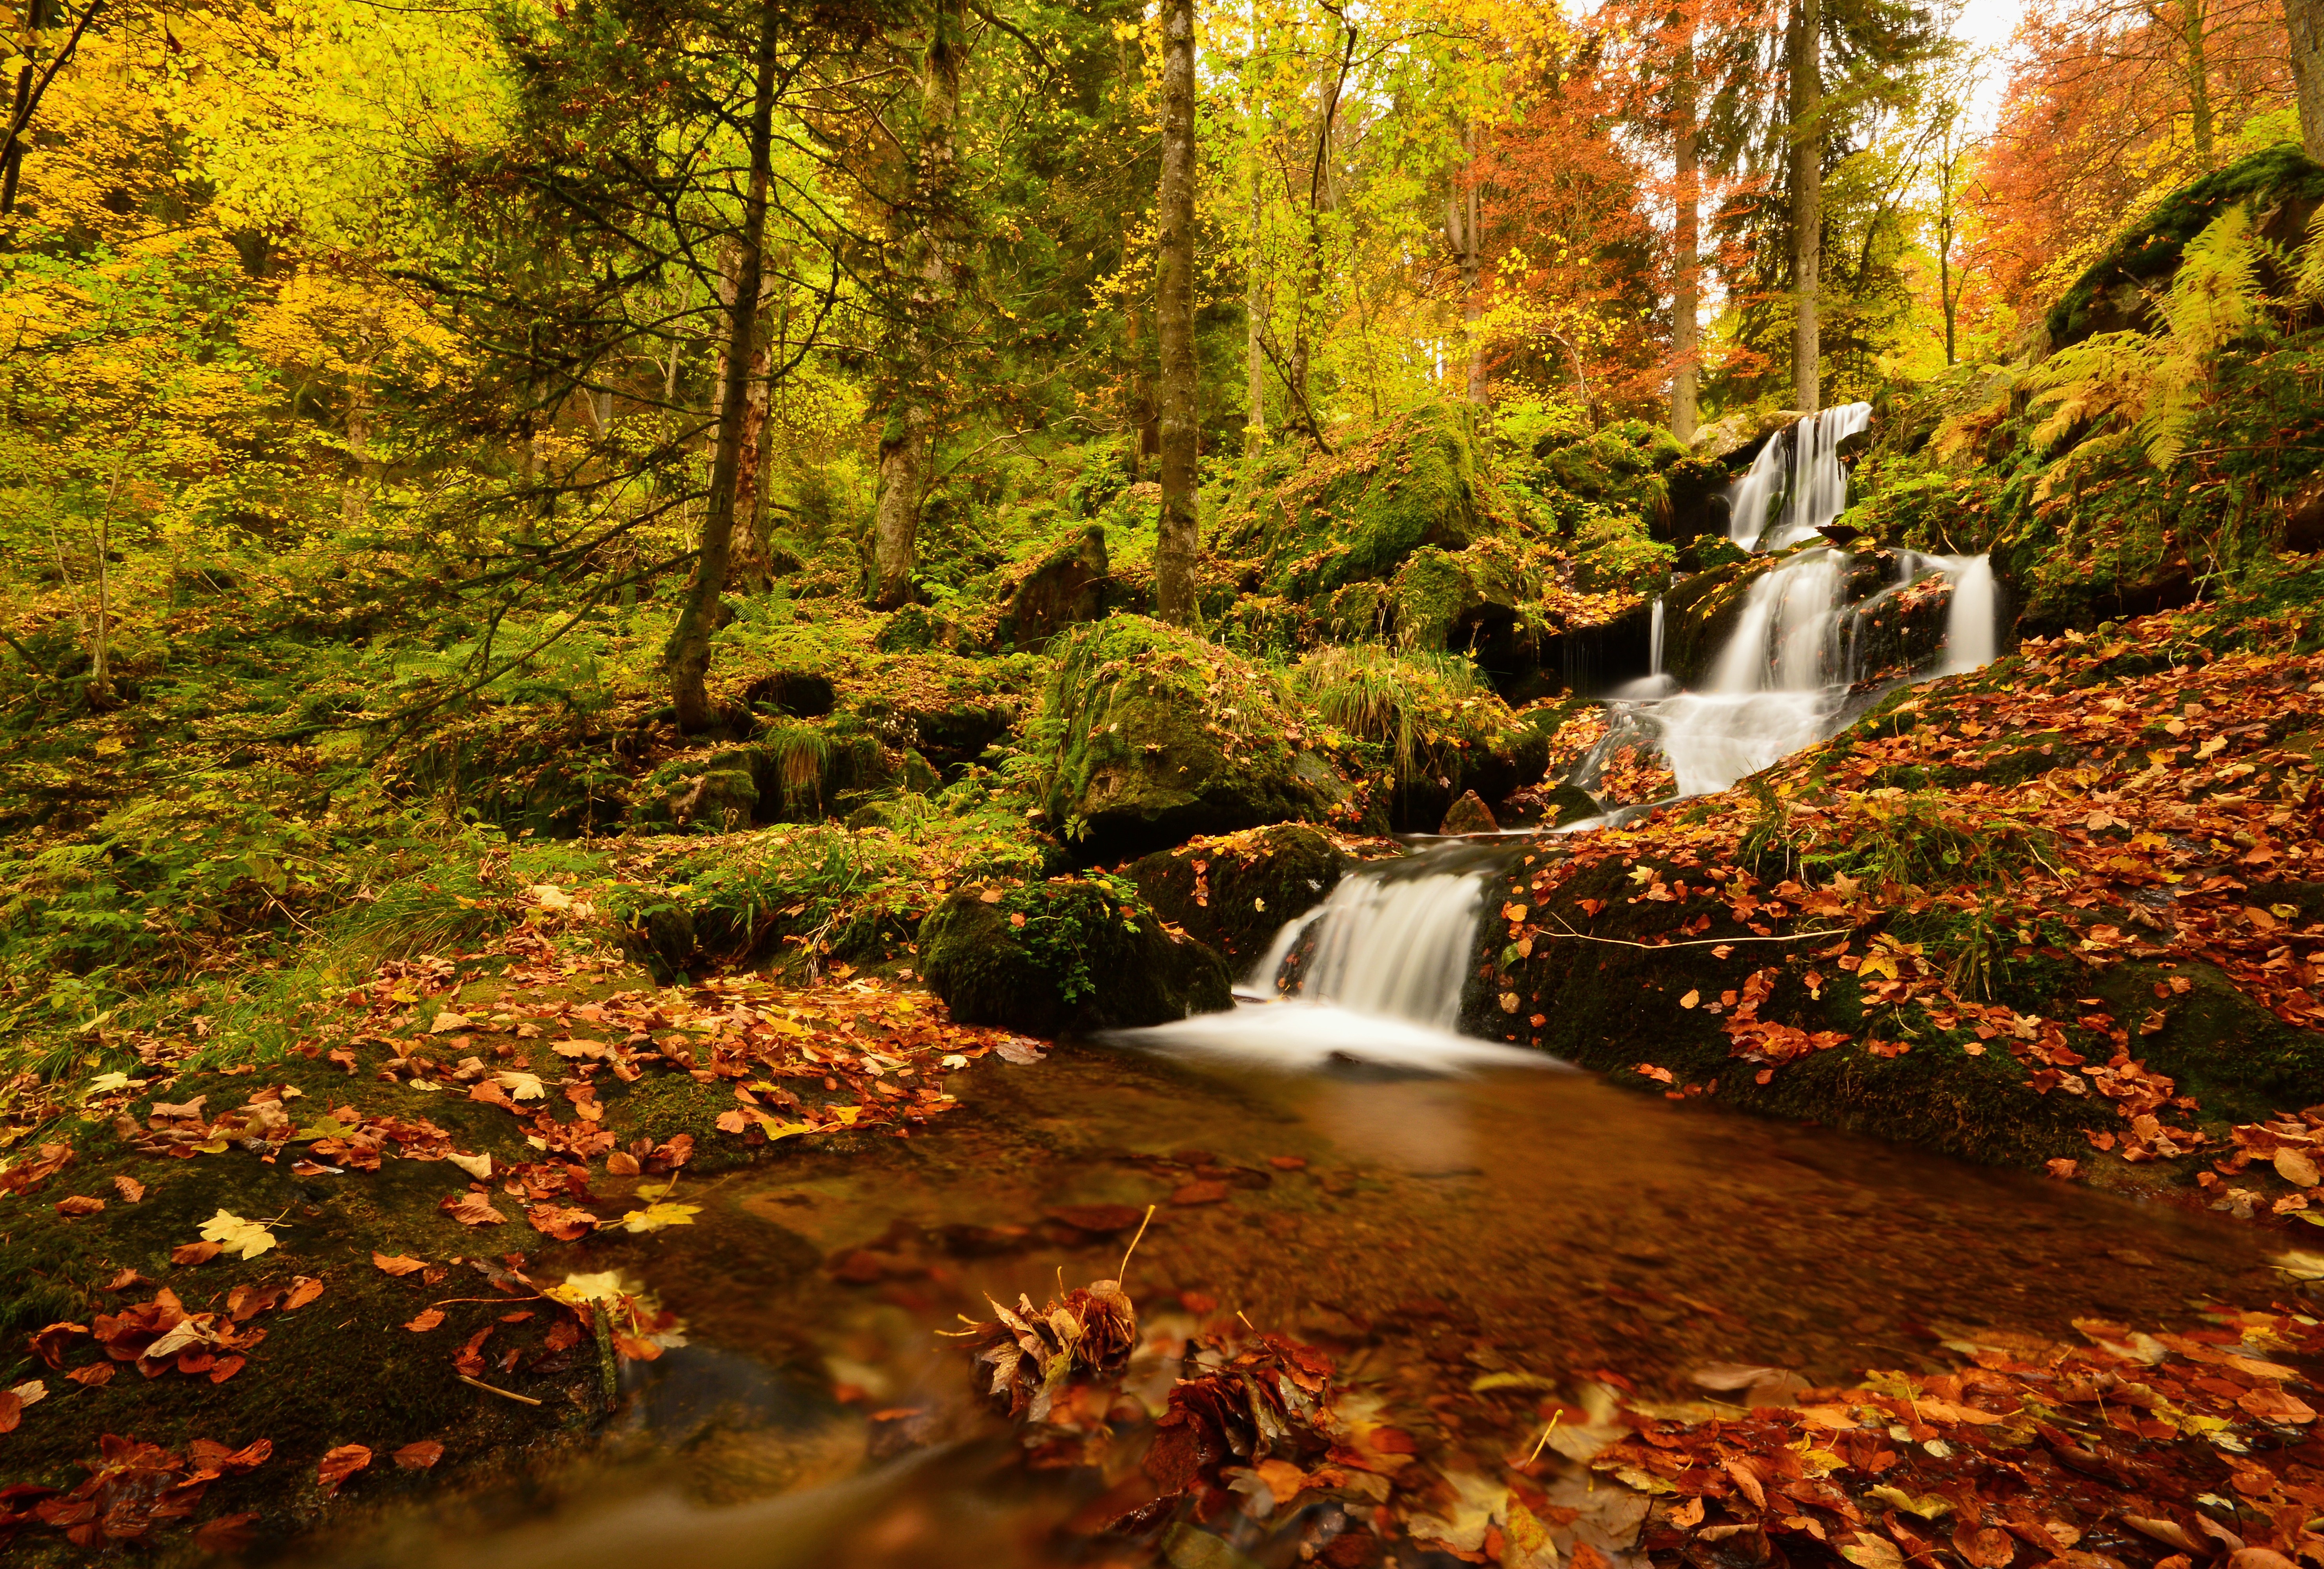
<point>1801,465</point>
<point>1374,974</point>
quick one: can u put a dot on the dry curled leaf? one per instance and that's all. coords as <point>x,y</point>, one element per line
<point>472,1209</point>
<point>78,1205</point>
<point>340,1463</point>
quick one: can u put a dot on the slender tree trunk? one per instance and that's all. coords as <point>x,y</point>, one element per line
<point>1807,195</point>
<point>1254,309</point>
<point>2304,20</point>
<point>1173,303</point>
<point>685,659</point>
<point>748,570</point>
<point>2195,26</point>
<point>1461,223</point>
<point>907,444</point>
<point>1686,286</point>
<point>39,14</point>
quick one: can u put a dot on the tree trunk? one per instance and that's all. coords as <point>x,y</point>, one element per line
<point>2195,25</point>
<point>1254,429</point>
<point>1460,215</point>
<point>2304,20</point>
<point>1686,285</point>
<point>907,443</point>
<point>685,659</point>
<point>1173,303</point>
<point>1807,195</point>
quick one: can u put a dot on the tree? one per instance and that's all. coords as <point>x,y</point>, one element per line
<point>2304,26</point>
<point>916,333</point>
<point>1805,133</point>
<point>1173,309</point>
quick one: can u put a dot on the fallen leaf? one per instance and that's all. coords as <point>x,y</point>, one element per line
<point>564,1225</point>
<point>129,1188</point>
<point>472,1209</point>
<point>2270,1404</point>
<point>479,1167</point>
<point>1691,999</point>
<point>231,1233</point>
<point>93,1376</point>
<point>655,1216</point>
<point>429,1318</point>
<point>2296,1166</point>
<point>396,1264</point>
<point>226,1534</point>
<point>420,1455</point>
<point>78,1205</point>
<point>340,1463</point>
<point>523,1086</point>
<point>304,1288</point>
<point>1015,1049</point>
<point>622,1163</point>
<point>447,1021</point>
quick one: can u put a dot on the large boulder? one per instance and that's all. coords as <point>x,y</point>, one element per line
<point>1235,892</point>
<point>1064,589</point>
<point>1735,440</point>
<point>1358,515</point>
<point>1063,957</point>
<point>1155,735</point>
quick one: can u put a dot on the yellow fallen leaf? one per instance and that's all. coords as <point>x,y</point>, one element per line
<point>523,1086</point>
<point>446,1021</point>
<point>655,1216</point>
<point>244,1239</point>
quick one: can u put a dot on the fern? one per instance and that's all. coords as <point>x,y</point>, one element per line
<point>2148,388</point>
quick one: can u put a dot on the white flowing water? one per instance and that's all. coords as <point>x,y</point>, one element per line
<point>1373,976</point>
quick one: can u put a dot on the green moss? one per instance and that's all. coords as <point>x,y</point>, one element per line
<point>1235,892</point>
<point>1069,955</point>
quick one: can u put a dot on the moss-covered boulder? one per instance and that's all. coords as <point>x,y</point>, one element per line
<point>1235,892</point>
<point>2280,186</point>
<point>1152,735</point>
<point>1066,956</point>
<point>719,792</point>
<point>1061,589</point>
<point>1358,513</point>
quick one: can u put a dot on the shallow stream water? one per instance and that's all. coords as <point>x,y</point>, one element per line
<point>1441,1229</point>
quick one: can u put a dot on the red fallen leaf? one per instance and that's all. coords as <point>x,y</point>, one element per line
<point>622,1163</point>
<point>2269,1403</point>
<point>94,1376</point>
<point>1098,1219</point>
<point>395,1264</point>
<point>733,1122</point>
<point>1985,1547</point>
<point>1200,1193</point>
<point>472,1209</point>
<point>340,1463</point>
<point>419,1456</point>
<point>428,1319</point>
<point>12,1411</point>
<point>470,1358</point>
<point>129,1187</point>
<point>226,1369</point>
<point>78,1205</point>
<point>635,1350</point>
<point>1290,1162</point>
<point>563,1335</point>
<point>304,1288</point>
<point>48,1344</point>
<point>565,1225</point>
<point>245,1303</point>
<point>194,1253</point>
<point>212,1458</point>
<point>226,1534</point>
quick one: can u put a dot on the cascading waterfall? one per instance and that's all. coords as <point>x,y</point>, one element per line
<point>1375,974</point>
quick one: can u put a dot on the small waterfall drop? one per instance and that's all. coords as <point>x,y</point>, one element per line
<point>1654,640</point>
<point>1801,467</point>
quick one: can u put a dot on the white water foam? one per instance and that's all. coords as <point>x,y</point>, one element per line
<point>1801,468</point>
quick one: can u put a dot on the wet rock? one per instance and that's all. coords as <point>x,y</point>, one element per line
<point>1565,803</point>
<point>1067,588</point>
<point>1235,892</point>
<point>1066,956</point>
<point>1735,440</point>
<point>1469,814</point>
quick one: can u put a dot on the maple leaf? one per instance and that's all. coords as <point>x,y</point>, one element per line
<point>232,1234</point>
<point>524,1086</point>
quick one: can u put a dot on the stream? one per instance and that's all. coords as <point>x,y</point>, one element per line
<point>1465,1227</point>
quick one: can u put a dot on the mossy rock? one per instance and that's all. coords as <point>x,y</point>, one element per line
<point>1444,599</point>
<point>1066,956</point>
<point>2240,1062</point>
<point>1066,587</point>
<point>1709,553</point>
<point>719,793</point>
<point>1159,735</point>
<point>1235,892</point>
<point>557,783</point>
<point>1612,1007</point>
<point>2117,290</point>
<point>1359,514</point>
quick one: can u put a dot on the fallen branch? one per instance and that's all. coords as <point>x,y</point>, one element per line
<point>1699,942</point>
<point>492,1389</point>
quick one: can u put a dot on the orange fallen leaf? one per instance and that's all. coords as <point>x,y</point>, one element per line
<point>564,1225</point>
<point>94,1375</point>
<point>472,1209</point>
<point>340,1463</point>
<point>194,1253</point>
<point>622,1163</point>
<point>304,1288</point>
<point>419,1456</point>
<point>78,1205</point>
<point>430,1317</point>
<point>129,1187</point>
<point>396,1264</point>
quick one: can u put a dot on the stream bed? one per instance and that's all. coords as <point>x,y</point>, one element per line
<point>1464,1246</point>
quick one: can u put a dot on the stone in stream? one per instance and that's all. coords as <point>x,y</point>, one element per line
<point>1063,957</point>
<point>1469,814</point>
